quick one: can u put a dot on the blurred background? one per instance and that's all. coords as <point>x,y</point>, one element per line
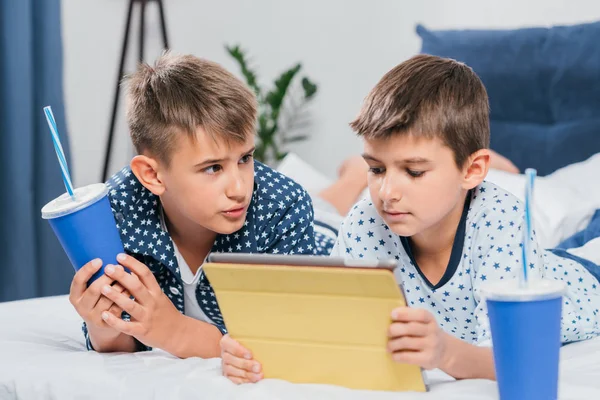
<point>66,54</point>
<point>345,46</point>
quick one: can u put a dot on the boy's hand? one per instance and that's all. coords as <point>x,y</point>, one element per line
<point>415,338</point>
<point>89,302</point>
<point>237,362</point>
<point>153,315</point>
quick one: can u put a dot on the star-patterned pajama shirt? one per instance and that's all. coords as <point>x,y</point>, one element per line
<point>487,247</point>
<point>279,221</point>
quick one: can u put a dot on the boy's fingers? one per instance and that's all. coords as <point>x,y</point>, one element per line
<point>130,281</point>
<point>111,308</point>
<point>232,373</point>
<point>142,271</point>
<point>241,363</point>
<point>106,304</point>
<point>406,343</point>
<point>408,357</point>
<point>79,282</point>
<point>128,328</point>
<point>407,314</point>
<point>233,347</point>
<point>133,308</point>
<point>93,294</point>
<point>238,381</point>
<point>399,329</point>
<point>115,310</point>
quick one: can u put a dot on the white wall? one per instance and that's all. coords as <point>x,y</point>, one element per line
<point>345,46</point>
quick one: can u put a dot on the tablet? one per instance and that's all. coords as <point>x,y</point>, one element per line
<point>299,260</point>
<point>310,319</point>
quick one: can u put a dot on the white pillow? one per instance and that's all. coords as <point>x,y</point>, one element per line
<point>581,179</point>
<point>559,211</point>
<point>303,173</point>
<point>589,251</point>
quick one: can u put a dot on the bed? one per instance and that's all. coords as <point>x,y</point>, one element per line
<point>43,355</point>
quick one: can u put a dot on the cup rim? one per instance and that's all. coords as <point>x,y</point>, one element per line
<point>511,291</point>
<point>85,196</point>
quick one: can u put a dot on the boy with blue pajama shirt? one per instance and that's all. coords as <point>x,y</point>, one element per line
<point>425,128</point>
<point>426,135</point>
<point>193,189</point>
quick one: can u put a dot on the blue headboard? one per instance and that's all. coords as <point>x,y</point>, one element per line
<point>543,85</point>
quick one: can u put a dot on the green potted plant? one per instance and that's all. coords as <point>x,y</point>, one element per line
<point>281,110</point>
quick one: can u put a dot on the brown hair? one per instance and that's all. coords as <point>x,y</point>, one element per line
<point>429,96</point>
<point>181,93</point>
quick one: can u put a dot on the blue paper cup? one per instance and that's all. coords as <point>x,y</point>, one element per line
<point>525,327</point>
<point>85,227</point>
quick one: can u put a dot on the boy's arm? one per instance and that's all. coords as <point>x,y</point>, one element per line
<point>154,320</point>
<point>97,341</point>
<point>193,338</point>
<point>466,361</point>
<point>183,342</point>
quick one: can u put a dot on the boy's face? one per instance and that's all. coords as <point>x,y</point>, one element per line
<point>209,183</point>
<point>414,182</point>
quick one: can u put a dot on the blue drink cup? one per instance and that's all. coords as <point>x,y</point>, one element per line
<point>525,327</point>
<point>85,227</point>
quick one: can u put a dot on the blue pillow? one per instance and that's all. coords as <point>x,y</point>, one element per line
<point>573,55</point>
<point>546,147</point>
<point>579,239</point>
<point>489,53</point>
<point>543,85</point>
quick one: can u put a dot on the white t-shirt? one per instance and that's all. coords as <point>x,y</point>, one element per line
<point>190,281</point>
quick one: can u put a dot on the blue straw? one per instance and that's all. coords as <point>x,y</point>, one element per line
<point>530,174</point>
<point>60,154</point>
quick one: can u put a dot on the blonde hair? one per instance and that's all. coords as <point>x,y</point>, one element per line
<point>181,93</point>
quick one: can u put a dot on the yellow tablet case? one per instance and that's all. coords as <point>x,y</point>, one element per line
<point>315,324</point>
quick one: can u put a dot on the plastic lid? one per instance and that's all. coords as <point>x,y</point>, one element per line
<point>541,289</point>
<point>64,204</point>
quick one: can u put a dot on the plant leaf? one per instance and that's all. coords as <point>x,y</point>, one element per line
<point>297,138</point>
<point>310,89</point>
<point>276,96</point>
<point>240,56</point>
<point>280,155</point>
<point>281,114</point>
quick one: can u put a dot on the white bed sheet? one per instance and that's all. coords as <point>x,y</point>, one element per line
<point>42,356</point>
